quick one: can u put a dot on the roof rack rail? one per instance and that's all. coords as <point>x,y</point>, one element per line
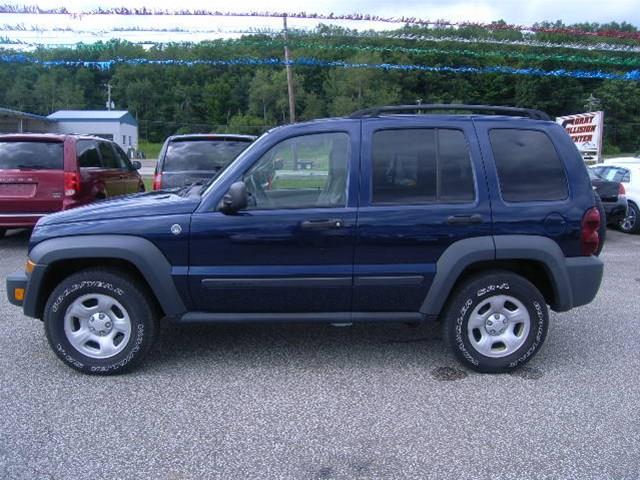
<point>514,111</point>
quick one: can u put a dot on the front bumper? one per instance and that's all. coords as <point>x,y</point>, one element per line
<point>17,288</point>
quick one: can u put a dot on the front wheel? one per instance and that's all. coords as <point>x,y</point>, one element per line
<point>100,321</point>
<point>496,321</point>
<point>631,223</point>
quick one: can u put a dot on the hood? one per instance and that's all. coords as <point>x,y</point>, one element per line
<point>132,206</point>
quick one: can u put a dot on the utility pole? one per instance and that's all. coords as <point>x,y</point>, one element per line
<point>287,61</point>
<point>110,104</point>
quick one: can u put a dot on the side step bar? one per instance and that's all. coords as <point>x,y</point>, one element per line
<point>320,317</point>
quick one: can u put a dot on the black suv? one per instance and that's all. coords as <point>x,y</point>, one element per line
<point>187,159</point>
<point>477,221</point>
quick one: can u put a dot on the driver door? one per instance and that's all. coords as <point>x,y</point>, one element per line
<point>291,250</point>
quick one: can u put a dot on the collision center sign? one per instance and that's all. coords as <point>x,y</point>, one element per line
<point>585,129</point>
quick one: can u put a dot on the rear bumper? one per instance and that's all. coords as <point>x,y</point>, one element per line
<point>585,276</point>
<point>19,220</point>
<point>17,283</point>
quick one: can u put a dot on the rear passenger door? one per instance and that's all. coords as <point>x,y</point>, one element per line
<point>111,172</point>
<point>422,189</point>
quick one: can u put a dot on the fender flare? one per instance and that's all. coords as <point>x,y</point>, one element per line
<point>144,255</point>
<point>464,253</point>
<point>458,256</point>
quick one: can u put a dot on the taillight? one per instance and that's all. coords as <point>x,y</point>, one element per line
<point>621,191</point>
<point>71,184</point>
<point>589,238</point>
<point>157,181</point>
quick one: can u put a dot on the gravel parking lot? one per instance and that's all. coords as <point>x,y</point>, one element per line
<point>318,402</point>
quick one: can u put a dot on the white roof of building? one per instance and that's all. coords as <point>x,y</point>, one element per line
<point>87,114</point>
<point>121,116</point>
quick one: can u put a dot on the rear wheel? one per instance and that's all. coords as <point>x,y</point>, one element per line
<point>100,321</point>
<point>495,322</point>
<point>631,223</point>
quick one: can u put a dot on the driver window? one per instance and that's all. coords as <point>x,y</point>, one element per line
<point>301,172</point>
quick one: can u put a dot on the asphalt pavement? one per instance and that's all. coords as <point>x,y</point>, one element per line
<point>320,402</point>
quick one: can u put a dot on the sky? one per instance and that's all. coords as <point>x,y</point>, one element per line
<point>89,29</point>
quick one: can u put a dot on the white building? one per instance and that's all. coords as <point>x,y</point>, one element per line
<point>117,125</point>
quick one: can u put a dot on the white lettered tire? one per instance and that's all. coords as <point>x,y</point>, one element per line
<point>495,321</point>
<point>100,321</point>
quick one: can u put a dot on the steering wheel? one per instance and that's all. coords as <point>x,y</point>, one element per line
<point>260,197</point>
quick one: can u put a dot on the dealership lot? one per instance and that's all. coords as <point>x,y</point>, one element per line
<point>300,401</point>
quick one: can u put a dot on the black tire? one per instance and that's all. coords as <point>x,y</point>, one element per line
<point>137,306</point>
<point>631,224</point>
<point>3,232</point>
<point>473,294</point>
<point>602,230</point>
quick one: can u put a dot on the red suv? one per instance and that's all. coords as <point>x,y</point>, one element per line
<point>45,173</point>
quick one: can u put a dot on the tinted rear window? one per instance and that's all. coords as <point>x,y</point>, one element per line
<point>201,154</point>
<point>528,166</point>
<point>35,155</point>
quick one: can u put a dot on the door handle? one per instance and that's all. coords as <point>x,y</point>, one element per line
<point>464,219</point>
<point>321,224</point>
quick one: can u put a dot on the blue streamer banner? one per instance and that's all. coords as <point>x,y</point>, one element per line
<point>633,75</point>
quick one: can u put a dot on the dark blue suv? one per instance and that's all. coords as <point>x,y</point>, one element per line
<point>476,221</point>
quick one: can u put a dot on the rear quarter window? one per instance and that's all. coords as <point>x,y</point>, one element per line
<point>529,168</point>
<point>31,155</point>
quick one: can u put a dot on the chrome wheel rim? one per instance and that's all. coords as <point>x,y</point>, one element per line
<point>97,325</point>
<point>629,221</point>
<point>498,326</point>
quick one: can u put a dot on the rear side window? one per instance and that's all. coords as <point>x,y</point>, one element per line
<point>421,166</point>
<point>529,168</point>
<point>88,156</point>
<point>109,159</point>
<point>206,155</point>
<point>31,155</point>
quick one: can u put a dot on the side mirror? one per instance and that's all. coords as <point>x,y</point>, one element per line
<point>235,199</point>
<point>136,165</point>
